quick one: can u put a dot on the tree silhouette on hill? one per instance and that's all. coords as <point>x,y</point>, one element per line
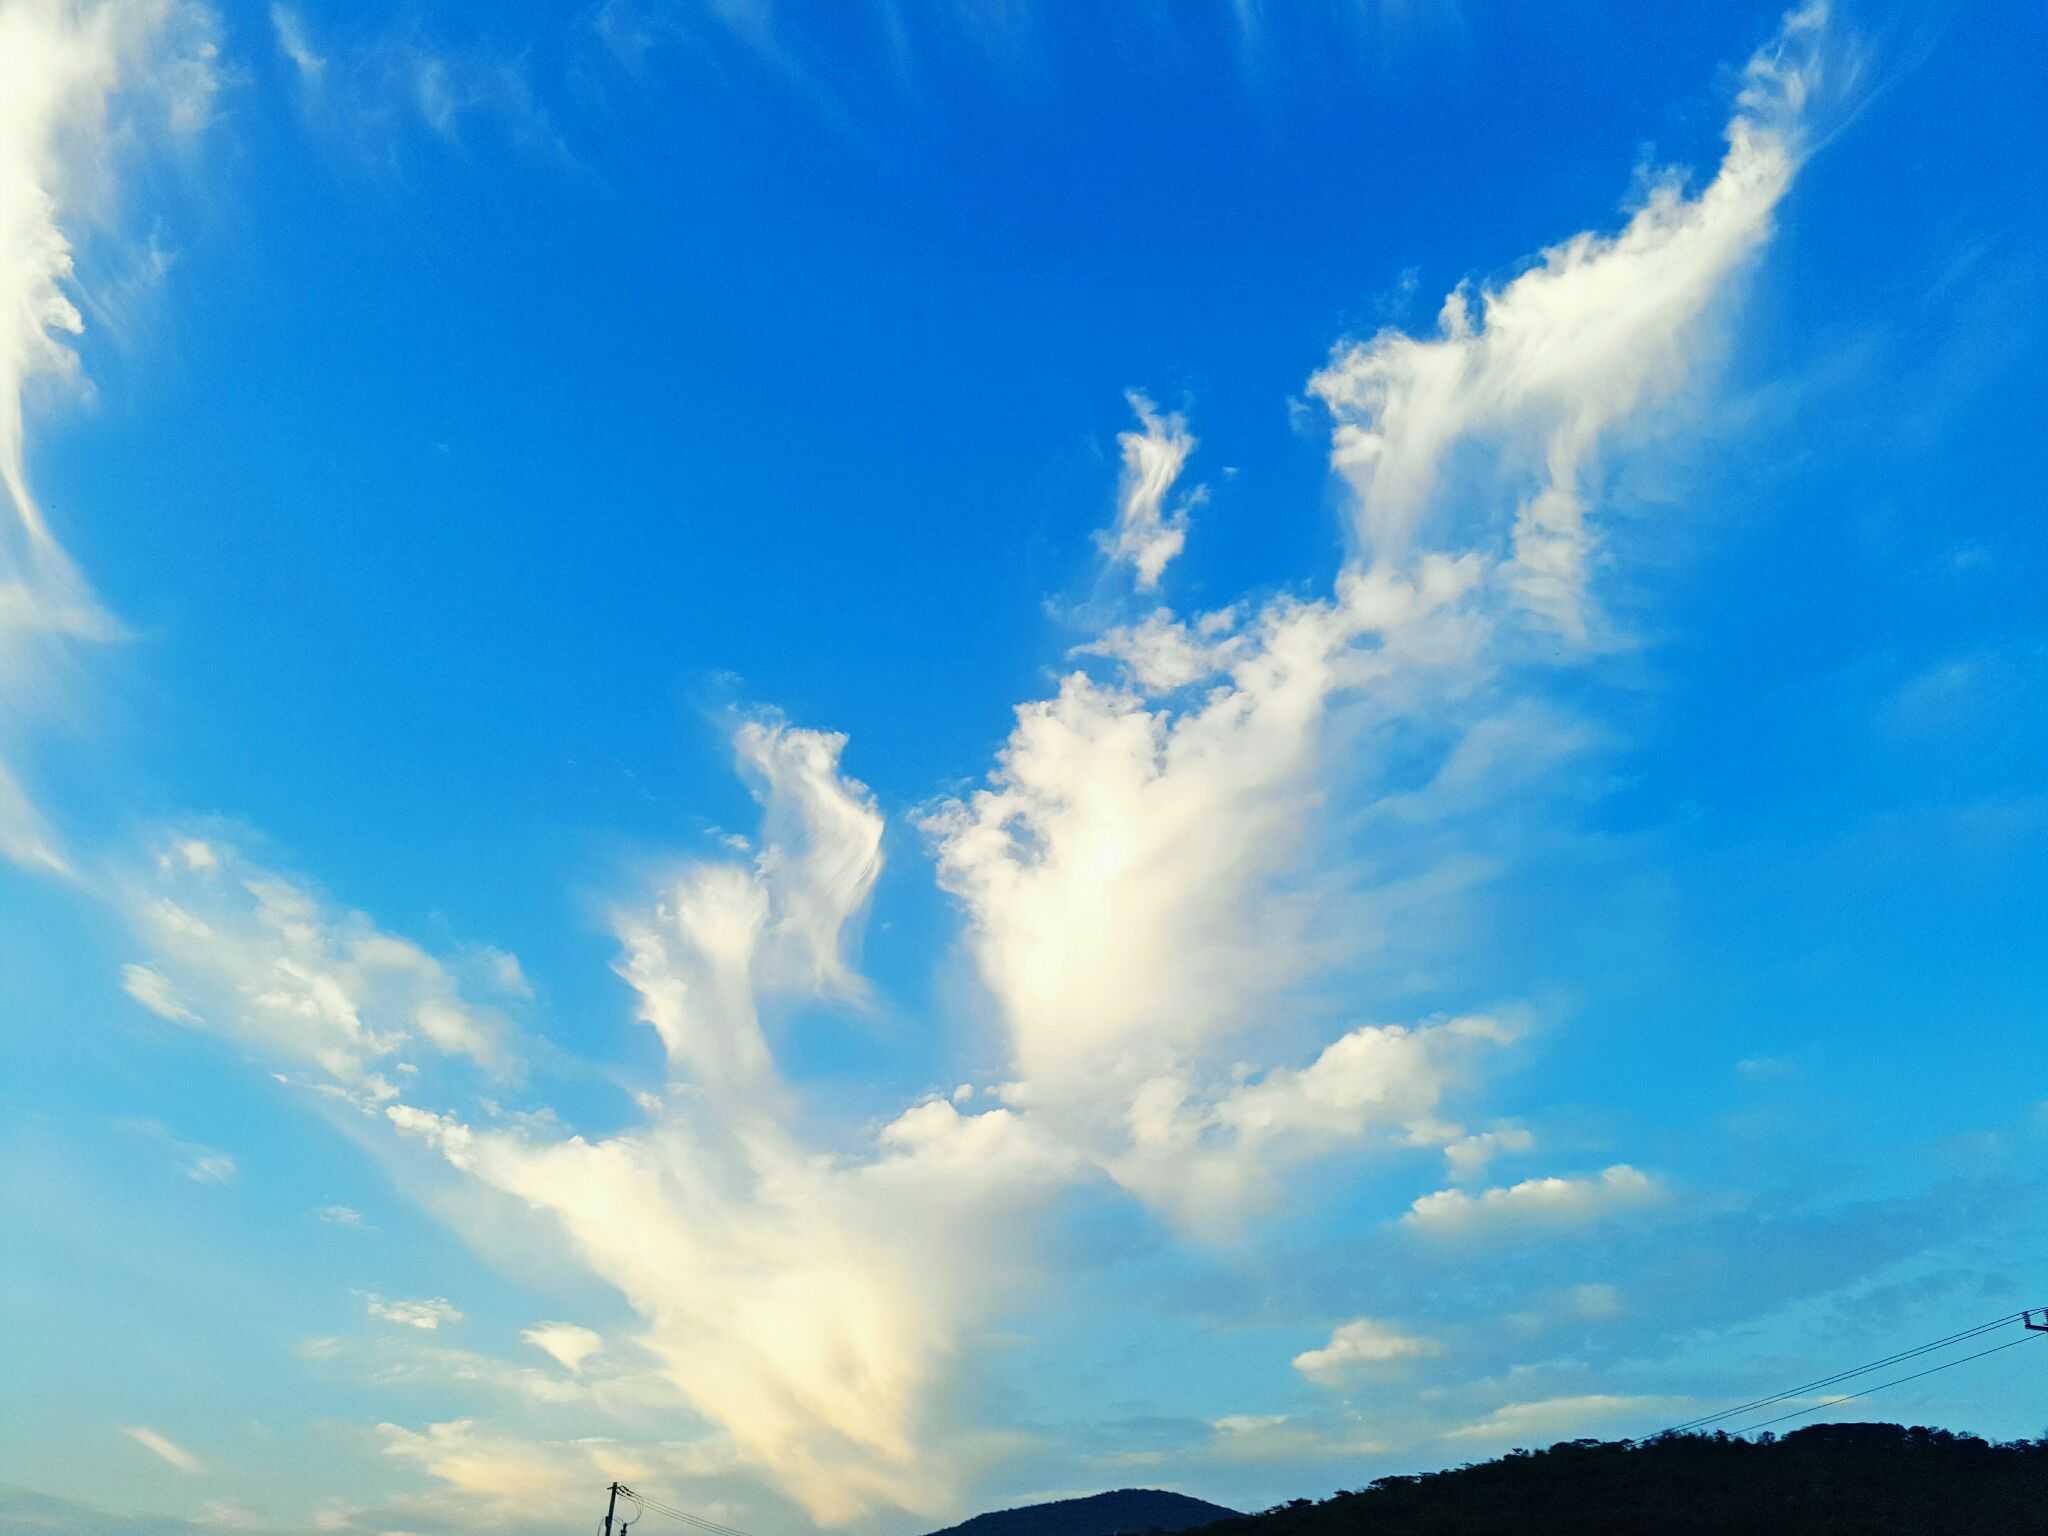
<point>1825,1480</point>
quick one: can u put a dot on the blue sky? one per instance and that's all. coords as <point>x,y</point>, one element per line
<point>867,761</point>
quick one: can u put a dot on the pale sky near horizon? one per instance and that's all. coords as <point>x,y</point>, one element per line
<point>866,761</point>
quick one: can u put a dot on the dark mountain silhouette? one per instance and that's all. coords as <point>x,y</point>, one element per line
<point>1126,1512</point>
<point>1826,1480</point>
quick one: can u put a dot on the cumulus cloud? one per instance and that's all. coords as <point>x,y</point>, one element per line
<point>341,1216</point>
<point>1361,1343</point>
<point>164,1448</point>
<point>427,1314</point>
<point>1537,1204</point>
<point>1148,531</point>
<point>1470,1156</point>
<point>1206,1160</point>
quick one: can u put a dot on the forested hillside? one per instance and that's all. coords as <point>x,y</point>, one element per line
<point>1828,1480</point>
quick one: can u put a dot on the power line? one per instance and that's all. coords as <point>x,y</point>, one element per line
<point>698,1522</point>
<point>662,1507</point>
<point>1895,1381</point>
<point>1841,1376</point>
<point>656,1506</point>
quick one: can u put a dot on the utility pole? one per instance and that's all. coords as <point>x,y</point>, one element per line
<point>611,1509</point>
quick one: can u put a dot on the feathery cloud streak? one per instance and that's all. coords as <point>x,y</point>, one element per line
<point>1531,378</point>
<point>80,88</point>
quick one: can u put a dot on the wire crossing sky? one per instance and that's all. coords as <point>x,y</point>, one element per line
<point>872,761</point>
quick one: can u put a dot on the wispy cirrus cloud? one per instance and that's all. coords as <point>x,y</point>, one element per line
<point>164,1449</point>
<point>1585,349</point>
<point>1149,530</point>
<point>89,90</point>
<point>197,1161</point>
<point>258,956</point>
<point>368,90</point>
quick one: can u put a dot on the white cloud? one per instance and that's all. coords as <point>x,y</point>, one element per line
<point>341,1216</point>
<point>567,1343</point>
<point>1536,1204</point>
<point>152,989</point>
<point>1154,877</point>
<point>83,90</point>
<point>807,1297</point>
<point>1148,532</point>
<point>163,1448</point>
<point>253,954</point>
<point>501,968</point>
<point>1945,697</point>
<point>364,90</point>
<point>199,1163</point>
<point>493,1478</point>
<point>1596,1302</point>
<point>427,1314</point>
<point>1112,867</point>
<point>1363,1342</point>
<point>727,935</point>
<point>211,1167</point>
<point>809,1304</point>
<point>1563,1417</point>
<point>295,44</point>
<point>1767,1068</point>
<point>1170,861</point>
<point>1530,379</point>
<point>1266,1438</point>
<point>1470,1156</point>
<point>408,1359</point>
<point>1207,1161</point>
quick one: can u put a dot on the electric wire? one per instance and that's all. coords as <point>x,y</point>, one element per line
<point>1836,1377</point>
<point>686,1518</point>
<point>662,1507</point>
<point>1895,1381</point>
<point>683,1516</point>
